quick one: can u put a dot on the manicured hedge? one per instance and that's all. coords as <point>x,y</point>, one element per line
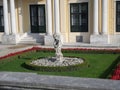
<point>81,50</point>
<point>28,65</point>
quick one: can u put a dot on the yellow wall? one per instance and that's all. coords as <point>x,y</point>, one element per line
<point>65,17</point>
<point>26,16</point>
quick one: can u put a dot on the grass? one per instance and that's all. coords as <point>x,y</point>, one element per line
<point>100,65</point>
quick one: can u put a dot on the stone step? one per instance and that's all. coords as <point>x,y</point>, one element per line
<point>27,40</point>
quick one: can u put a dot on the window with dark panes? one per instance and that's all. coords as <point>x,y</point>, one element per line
<point>1,19</point>
<point>79,17</point>
<point>118,16</point>
<point>37,16</point>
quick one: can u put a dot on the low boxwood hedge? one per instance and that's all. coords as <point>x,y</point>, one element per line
<point>28,65</point>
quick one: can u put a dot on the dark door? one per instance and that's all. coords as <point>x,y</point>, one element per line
<point>37,17</point>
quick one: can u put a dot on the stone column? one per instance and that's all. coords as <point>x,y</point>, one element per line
<point>57,16</point>
<point>95,25</point>
<point>5,9</point>
<point>49,17</point>
<point>97,38</point>
<point>48,39</point>
<point>13,19</point>
<point>104,16</point>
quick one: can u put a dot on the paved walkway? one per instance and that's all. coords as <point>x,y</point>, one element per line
<point>6,49</point>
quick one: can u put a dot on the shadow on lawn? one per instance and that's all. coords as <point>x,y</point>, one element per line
<point>108,71</point>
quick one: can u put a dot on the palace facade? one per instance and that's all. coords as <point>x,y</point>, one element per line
<point>35,21</point>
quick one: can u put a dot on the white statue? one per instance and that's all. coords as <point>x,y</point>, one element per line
<point>58,46</point>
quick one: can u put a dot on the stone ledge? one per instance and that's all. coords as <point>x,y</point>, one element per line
<point>32,81</point>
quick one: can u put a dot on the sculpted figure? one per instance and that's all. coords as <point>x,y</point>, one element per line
<point>58,46</point>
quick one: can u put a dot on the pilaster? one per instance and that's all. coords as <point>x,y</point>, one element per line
<point>49,16</point>
<point>104,16</point>
<point>95,21</point>
<point>57,16</point>
<point>13,19</point>
<point>48,38</point>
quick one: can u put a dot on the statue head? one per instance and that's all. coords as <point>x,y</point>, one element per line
<point>56,36</point>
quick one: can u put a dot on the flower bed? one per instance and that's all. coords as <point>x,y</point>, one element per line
<point>116,73</point>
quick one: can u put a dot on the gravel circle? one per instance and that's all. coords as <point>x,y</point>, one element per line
<point>67,61</point>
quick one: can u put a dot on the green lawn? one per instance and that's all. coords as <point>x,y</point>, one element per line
<point>99,64</point>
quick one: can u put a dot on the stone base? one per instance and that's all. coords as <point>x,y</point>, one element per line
<point>99,39</point>
<point>48,40</point>
<point>10,39</point>
<point>115,39</point>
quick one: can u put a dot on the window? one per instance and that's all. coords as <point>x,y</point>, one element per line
<point>1,19</point>
<point>118,16</point>
<point>79,17</point>
<point>37,16</point>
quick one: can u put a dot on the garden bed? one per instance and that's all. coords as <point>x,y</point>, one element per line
<point>100,62</point>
